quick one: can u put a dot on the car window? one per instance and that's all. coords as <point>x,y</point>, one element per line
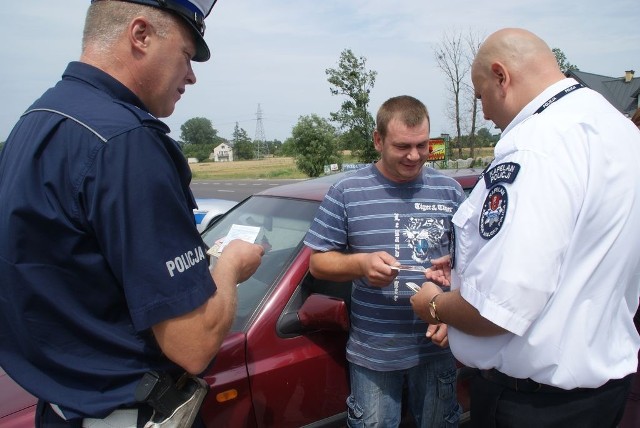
<point>282,224</point>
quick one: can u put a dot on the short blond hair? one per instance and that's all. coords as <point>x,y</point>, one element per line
<point>411,111</point>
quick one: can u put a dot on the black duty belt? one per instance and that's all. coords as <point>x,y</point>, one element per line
<point>521,385</point>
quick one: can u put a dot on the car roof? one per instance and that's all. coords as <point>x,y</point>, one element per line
<point>315,188</point>
<point>221,205</point>
<point>13,398</point>
<point>467,177</point>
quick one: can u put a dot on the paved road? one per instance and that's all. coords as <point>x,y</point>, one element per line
<point>238,190</point>
<point>234,190</point>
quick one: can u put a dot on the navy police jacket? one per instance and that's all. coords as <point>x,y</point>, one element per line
<point>97,244</point>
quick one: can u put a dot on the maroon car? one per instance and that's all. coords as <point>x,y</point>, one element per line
<point>283,363</point>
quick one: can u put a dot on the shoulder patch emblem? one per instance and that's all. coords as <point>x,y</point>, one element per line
<point>501,173</point>
<point>493,212</point>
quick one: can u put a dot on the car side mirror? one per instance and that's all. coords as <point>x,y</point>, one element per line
<point>322,312</point>
<point>318,312</point>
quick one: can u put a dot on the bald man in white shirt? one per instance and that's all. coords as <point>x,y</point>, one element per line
<point>545,269</point>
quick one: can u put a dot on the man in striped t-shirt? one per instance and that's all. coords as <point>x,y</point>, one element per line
<point>393,212</point>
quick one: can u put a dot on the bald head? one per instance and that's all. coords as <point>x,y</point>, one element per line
<point>518,66</point>
<point>519,49</point>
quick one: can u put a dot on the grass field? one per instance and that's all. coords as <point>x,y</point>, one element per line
<point>264,168</point>
<point>478,152</point>
<point>275,167</point>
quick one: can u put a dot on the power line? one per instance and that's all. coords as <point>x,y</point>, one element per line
<point>259,138</point>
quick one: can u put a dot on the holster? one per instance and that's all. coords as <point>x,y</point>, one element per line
<point>175,404</point>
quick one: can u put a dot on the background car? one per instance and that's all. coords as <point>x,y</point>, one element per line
<point>283,363</point>
<point>17,406</point>
<point>210,209</point>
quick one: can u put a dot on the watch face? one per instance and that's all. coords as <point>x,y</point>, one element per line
<point>432,310</point>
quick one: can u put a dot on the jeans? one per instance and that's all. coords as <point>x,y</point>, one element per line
<point>376,397</point>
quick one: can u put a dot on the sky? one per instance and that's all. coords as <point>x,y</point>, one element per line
<point>272,54</point>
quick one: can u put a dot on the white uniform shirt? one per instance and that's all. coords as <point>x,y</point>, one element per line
<point>559,267</point>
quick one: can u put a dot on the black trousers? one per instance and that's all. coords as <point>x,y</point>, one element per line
<point>496,406</point>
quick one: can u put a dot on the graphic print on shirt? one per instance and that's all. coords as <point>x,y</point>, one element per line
<point>452,247</point>
<point>494,210</point>
<point>424,236</point>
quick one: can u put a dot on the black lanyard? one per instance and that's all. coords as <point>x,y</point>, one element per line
<point>550,101</point>
<point>559,95</point>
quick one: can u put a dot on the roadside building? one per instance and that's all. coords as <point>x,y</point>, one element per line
<point>621,92</point>
<point>222,153</point>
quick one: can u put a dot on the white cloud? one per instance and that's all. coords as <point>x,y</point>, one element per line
<point>274,53</point>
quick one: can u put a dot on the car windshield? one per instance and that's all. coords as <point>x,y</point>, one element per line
<point>281,225</point>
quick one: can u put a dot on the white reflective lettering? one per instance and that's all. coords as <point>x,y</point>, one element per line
<point>185,261</point>
<point>180,263</point>
<point>170,267</point>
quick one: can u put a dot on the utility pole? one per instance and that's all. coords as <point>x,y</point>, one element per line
<point>259,138</point>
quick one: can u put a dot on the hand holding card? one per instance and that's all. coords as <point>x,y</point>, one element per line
<point>412,268</point>
<point>413,286</point>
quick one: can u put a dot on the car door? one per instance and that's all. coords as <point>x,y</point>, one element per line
<point>298,375</point>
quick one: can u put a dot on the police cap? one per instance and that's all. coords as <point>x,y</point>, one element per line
<point>193,12</point>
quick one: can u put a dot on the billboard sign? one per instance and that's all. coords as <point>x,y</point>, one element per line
<point>437,149</point>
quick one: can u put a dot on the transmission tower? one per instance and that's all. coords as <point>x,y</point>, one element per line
<point>261,147</point>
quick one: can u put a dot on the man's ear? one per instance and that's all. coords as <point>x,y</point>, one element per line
<point>500,75</point>
<point>139,32</point>
<point>377,140</point>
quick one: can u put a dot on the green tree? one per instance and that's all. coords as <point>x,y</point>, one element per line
<point>2,145</point>
<point>562,61</point>
<point>484,137</point>
<point>242,145</point>
<point>287,148</point>
<point>199,138</point>
<point>273,147</point>
<point>198,130</point>
<point>314,142</point>
<point>352,80</point>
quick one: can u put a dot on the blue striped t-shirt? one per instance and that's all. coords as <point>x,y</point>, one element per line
<point>365,212</point>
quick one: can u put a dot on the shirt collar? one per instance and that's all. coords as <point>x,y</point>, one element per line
<point>534,104</point>
<point>102,81</point>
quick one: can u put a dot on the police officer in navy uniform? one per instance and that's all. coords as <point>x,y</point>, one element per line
<point>544,275</point>
<point>104,277</point>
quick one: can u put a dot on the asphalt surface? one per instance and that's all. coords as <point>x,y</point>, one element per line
<point>238,190</point>
<point>233,190</point>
